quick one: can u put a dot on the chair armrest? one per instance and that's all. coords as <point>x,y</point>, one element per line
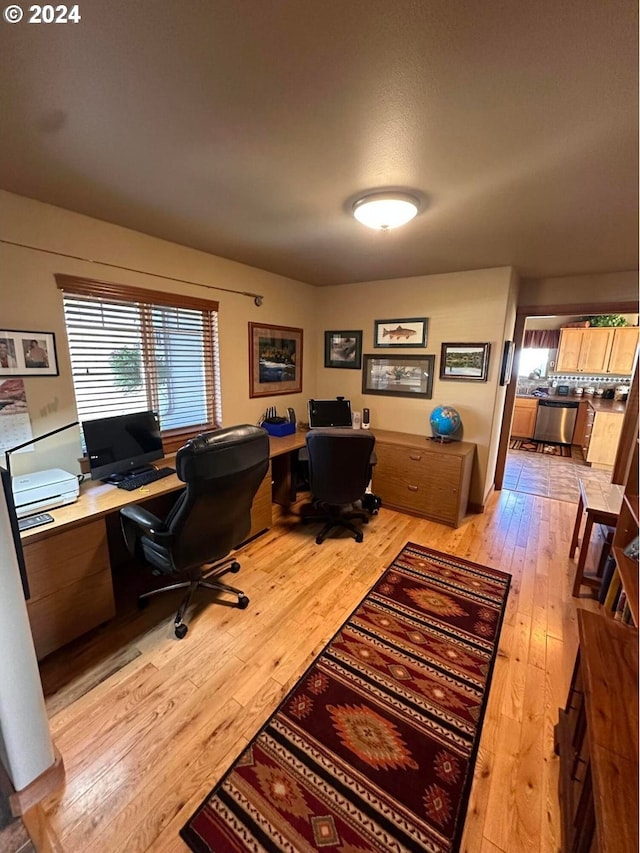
<point>149,522</point>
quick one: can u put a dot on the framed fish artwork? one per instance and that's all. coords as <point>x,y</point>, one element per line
<point>410,332</point>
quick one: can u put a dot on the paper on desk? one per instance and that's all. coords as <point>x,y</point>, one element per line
<point>15,425</point>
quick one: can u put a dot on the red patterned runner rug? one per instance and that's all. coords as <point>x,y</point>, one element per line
<point>374,748</point>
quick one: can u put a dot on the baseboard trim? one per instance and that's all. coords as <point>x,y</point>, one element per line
<point>46,783</point>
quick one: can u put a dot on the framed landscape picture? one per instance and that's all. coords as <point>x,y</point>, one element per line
<point>466,362</point>
<point>399,375</point>
<point>275,360</point>
<point>28,353</point>
<point>400,333</point>
<point>343,349</point>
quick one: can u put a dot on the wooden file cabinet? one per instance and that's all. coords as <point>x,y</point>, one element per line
<point>422,477</point>
<point>69,576</point>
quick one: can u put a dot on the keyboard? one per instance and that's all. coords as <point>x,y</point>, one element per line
<point>143,479</point>
<point>34,521</point>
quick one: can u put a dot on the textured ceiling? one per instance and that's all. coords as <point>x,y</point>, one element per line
<point>247,128</point>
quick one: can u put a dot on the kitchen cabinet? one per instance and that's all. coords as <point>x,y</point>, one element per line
<point>584,426</point>
<point>524,417</point>
<point>601,350</point>
<point>605,436</point>
<point>623,351</point>
<point>584,350</point>
<point>422,477</point>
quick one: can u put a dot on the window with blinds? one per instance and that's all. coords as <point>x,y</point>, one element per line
<point>134,349</point>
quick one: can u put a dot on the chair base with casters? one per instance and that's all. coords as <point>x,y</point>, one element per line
<point>333,517</point>
<point>199,581</point>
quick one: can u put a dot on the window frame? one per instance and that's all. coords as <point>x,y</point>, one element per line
<point>172,439</point>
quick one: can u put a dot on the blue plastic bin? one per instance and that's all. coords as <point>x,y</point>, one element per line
<point>279,429</point>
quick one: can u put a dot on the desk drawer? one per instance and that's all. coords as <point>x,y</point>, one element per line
<point>70,583</point>
<point>418,481</point>
<point>67,557</point>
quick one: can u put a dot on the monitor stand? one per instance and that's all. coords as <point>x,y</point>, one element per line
<point>114,479</point>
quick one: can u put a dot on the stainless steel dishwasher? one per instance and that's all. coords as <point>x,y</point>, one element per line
<point>555,421</point>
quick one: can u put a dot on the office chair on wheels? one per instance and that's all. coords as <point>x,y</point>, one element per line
<point>222,471</point>
<point>339,473</point>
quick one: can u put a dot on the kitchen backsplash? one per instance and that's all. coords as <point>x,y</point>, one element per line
<point>578,380</point>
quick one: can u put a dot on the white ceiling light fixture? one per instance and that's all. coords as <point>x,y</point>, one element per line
<point>383,211</point>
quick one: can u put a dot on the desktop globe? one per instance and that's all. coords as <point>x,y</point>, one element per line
<point>445,423</point>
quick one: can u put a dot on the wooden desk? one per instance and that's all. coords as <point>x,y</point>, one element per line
<point>602,506</point>
<point>69,561</point>
<point>281,451</point>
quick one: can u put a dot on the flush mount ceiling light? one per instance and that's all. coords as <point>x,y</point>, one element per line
<point>383,211</point>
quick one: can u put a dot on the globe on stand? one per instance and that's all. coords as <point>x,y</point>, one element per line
<point>445,423</point>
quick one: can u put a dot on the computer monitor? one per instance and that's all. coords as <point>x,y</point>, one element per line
<point>329,413</point>
<point>122,444</point>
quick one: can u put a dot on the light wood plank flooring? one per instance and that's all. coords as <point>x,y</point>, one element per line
<point>146,723</point>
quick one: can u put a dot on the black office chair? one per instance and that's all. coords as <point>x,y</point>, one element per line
<point>339,473</point>
<point>222,471</point>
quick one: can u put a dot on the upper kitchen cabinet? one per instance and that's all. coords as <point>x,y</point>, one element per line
<point>623,351</point>
<point>601,350</point>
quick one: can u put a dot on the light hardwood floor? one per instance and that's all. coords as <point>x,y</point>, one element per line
<point>146,724</point>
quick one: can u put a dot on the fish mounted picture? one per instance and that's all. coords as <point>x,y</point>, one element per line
<point>411,332</point>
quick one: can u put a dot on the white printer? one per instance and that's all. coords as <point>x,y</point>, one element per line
<point>44,490</point>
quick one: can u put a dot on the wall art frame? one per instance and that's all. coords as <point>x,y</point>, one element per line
<point>28,353</point>
<point>507,362</point>
<point>408,332</point>
<point>398,375</point>
<point>465,362</point>
<point>275,360</point>
<point>343,349</point>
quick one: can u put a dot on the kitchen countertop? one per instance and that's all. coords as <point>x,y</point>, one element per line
<point>597,403</point>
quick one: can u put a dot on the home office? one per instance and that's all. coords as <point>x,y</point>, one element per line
<point>501,163</point>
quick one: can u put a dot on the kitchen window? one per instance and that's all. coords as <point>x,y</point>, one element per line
<point>533,363</point>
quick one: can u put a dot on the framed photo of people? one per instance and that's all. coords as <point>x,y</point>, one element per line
<point>27,353</point>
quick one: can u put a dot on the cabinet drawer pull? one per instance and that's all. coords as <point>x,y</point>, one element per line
<point>415,458</point>
<point>412,488</point>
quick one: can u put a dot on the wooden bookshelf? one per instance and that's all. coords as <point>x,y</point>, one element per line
<point>628,568</point>
<point>597,740</point>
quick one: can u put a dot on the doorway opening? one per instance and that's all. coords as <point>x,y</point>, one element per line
<point>525,462</point>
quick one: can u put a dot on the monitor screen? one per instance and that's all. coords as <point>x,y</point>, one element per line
<point>121,444</point>
<point>329,413</point>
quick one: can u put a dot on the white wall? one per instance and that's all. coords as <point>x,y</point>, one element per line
<point>476,307</point>
<point>568,289</point>
<point>30,300</point>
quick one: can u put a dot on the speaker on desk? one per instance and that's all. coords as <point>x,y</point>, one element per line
<point>366,419</point>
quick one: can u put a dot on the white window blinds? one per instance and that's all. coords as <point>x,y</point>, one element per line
<point>133,349</point>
